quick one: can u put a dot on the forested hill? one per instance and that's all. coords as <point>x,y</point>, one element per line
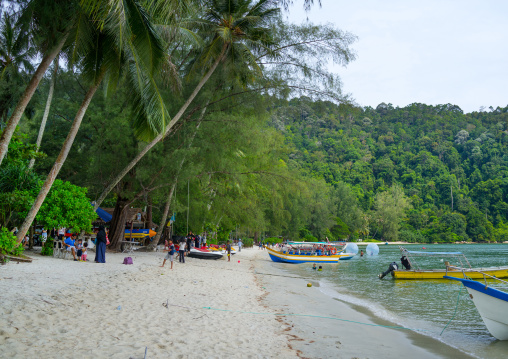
<point>452,166</point>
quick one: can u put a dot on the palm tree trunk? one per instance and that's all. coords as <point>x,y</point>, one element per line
<point>161,136</point>
<point>46,112</point>
<point>27,96</point>
<point>59,161</point>
<point>164,219</point>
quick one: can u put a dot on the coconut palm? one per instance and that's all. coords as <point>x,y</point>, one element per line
<point>235,31</point>
<point>101,55</point>
<point>47,22</point>
<point>15,52</point>
<point>52,23</point>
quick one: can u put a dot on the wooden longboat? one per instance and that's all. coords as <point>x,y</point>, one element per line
<point>293,253</point>
<point>416,272</point>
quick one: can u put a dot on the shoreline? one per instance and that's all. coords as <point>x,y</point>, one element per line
<point>355,333</point>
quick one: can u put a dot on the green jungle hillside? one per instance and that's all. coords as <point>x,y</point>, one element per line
<point>443,172</point>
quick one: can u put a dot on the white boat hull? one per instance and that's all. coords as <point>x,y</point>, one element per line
<point>492,304</point>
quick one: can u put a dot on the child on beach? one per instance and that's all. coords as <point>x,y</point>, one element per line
<point>170,254</point>
<point>79,249</point>
<point>228,249</point>
<point>83,255</point>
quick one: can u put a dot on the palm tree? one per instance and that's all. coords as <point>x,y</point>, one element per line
<point>53,22</point>
<point>15,55</point>
<point>15,52</point>
<point>101,55</point>
<point>235,31</point>
<point>48,23</point>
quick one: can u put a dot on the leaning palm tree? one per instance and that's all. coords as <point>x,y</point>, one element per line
<point>52,24</point>
<point>48,22</point>
<point>102,56</point>
<point>235,31</point>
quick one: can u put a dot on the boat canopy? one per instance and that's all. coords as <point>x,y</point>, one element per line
<point>412,255</point>
<point>435,253</point>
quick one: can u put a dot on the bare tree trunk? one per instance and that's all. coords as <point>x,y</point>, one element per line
<point>46,112</point>
<point>156,140</point>
<point>117,225</point>
<point>26,97</point>
<point>59,161</point>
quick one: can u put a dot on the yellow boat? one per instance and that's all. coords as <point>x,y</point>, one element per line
<point>416,272</point>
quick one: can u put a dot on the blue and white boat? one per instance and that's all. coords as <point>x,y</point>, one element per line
<point>491,303</point>
<point>309,252</point>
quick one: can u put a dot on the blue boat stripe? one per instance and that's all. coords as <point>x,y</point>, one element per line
<point>480,287</point>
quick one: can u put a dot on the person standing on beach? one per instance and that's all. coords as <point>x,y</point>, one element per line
<point>228,249</point>
<point>240,245</point>
<point>171,252</point>
<point>181,250</point>
<point>100,251</point>
<point>61,233</point>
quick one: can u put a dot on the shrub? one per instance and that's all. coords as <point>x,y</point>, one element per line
<point>248,242</point>
<point>47,248</point>
<point>8,243</point>
<point>273,240</point>
<point>310,238</point>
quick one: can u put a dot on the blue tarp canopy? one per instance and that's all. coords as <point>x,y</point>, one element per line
<point>105,216</point>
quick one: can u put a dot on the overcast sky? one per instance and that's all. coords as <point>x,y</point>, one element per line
<point>433,52</point>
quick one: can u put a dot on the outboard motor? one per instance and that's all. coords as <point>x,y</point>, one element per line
<point>393,266</point>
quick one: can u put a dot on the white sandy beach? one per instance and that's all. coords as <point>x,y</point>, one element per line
<point>55,308</point>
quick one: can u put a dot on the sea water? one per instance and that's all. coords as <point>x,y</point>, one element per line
<point>425,306</point>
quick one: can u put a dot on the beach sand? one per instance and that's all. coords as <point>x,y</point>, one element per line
<point>55,308</point>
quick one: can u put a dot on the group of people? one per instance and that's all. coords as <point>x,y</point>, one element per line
<point>79,249</point>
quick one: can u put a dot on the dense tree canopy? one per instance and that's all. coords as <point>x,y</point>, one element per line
<point>227,116</point>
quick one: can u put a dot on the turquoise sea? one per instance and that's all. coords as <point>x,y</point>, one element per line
<point>426,306</point>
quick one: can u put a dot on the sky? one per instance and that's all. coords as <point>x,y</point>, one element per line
<point>432,52</point>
